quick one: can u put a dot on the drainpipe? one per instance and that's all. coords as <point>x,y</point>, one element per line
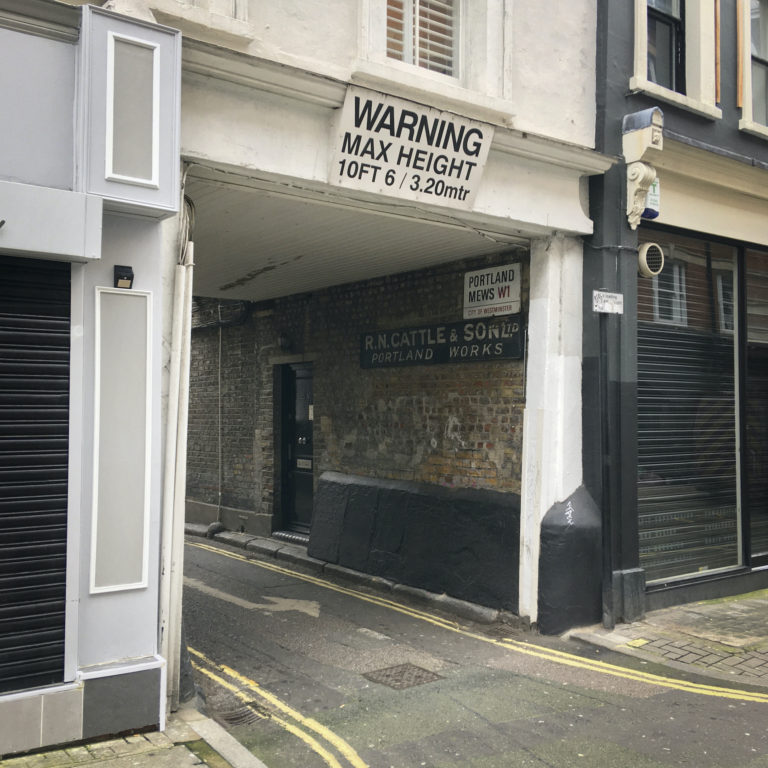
<point>174,478</point>
<point>179,491</point>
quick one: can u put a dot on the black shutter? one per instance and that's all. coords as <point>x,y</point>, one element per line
<point>686,400</point>
<point>34,430</point>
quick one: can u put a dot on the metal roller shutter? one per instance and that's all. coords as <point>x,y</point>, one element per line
<point>687,461</point>
<point>34,429</point>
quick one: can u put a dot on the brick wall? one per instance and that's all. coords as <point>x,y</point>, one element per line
<point>455,425</point>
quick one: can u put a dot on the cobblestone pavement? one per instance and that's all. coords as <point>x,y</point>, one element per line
<point>727,638</point>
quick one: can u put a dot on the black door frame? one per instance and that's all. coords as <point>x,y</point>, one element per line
<point>291,441</point>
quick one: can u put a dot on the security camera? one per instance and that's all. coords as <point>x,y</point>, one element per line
<point>650,259</point>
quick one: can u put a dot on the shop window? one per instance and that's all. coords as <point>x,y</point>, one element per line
<point>675,45</point>
<point>669,303</point>
<point>423,33</point>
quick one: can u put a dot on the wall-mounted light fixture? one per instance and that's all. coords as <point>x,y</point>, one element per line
<point>123,277</point>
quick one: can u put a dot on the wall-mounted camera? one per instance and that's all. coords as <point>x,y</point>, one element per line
<point>650,259</point>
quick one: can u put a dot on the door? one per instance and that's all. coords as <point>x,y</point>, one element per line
<point>34,429</point>
<point>298,457</point>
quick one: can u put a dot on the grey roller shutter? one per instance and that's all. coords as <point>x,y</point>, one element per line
<point>687,462</point>
<point>34,428</point>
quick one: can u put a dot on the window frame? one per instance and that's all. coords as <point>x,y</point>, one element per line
<point>726,306</point>
<point>676,26</point>
<point>748,124</point>
<point>412,49</point>
<point>477,80</point>
<point>678,299</point>
<point>699,66</point>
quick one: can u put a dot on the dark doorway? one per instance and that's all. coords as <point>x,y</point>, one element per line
<point>298,457</point>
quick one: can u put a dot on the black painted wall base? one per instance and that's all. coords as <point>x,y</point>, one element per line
<point>122,702</point>
<point>464,542</point>
<point>570,565</point>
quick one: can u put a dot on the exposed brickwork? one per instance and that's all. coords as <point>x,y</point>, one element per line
<point>456,425</point>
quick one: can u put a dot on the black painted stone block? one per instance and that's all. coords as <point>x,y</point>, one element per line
<point>119,703</point>
<point>570,570</point>
<point>464,542</point>
<point>330,505</point>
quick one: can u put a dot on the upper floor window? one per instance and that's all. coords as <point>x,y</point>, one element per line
<point>423,32</point>
<point>675,44</point>
<point>666,63</point>
<point>759,37</point>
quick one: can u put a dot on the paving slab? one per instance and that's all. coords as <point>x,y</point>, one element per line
<point>727,638</point>
<point>188,732</point>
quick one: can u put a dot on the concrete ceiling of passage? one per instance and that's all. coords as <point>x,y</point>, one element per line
<point>257,240</point>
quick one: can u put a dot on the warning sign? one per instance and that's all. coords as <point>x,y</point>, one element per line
<point>400,148</point>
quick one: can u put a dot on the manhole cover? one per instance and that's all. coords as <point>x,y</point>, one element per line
<point>402,676</point>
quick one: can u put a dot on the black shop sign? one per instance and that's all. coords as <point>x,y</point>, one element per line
<point>465,342</point>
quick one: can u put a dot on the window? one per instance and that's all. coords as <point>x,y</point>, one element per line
<point>669,295</point>
<point>753,66</point>
<point>759,38</point>
<point>675,45</point>
<point>423,32</point>
<point>666,64</point>
<point>724,282</point>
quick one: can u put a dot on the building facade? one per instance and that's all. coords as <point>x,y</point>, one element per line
<point>676,385</point>
<point>390,201</point>
<point>88,172</point>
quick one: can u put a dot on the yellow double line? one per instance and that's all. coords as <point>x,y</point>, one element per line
<point>529,649</point>
<point>290,719</point>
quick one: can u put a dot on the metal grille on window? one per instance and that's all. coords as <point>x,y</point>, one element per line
<point>687,463</point>
<point>759,29</point>
<point>34,429</point>
<point>422,32</point>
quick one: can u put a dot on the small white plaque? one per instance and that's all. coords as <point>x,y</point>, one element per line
<point>610,303</point>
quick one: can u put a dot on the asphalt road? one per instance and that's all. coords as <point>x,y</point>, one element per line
<point>310,673</point>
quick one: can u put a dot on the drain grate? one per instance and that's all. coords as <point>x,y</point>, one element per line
<point>501,631</point>
<point>294,537</point>
<point>402,676</point>
<point>246,715</point>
